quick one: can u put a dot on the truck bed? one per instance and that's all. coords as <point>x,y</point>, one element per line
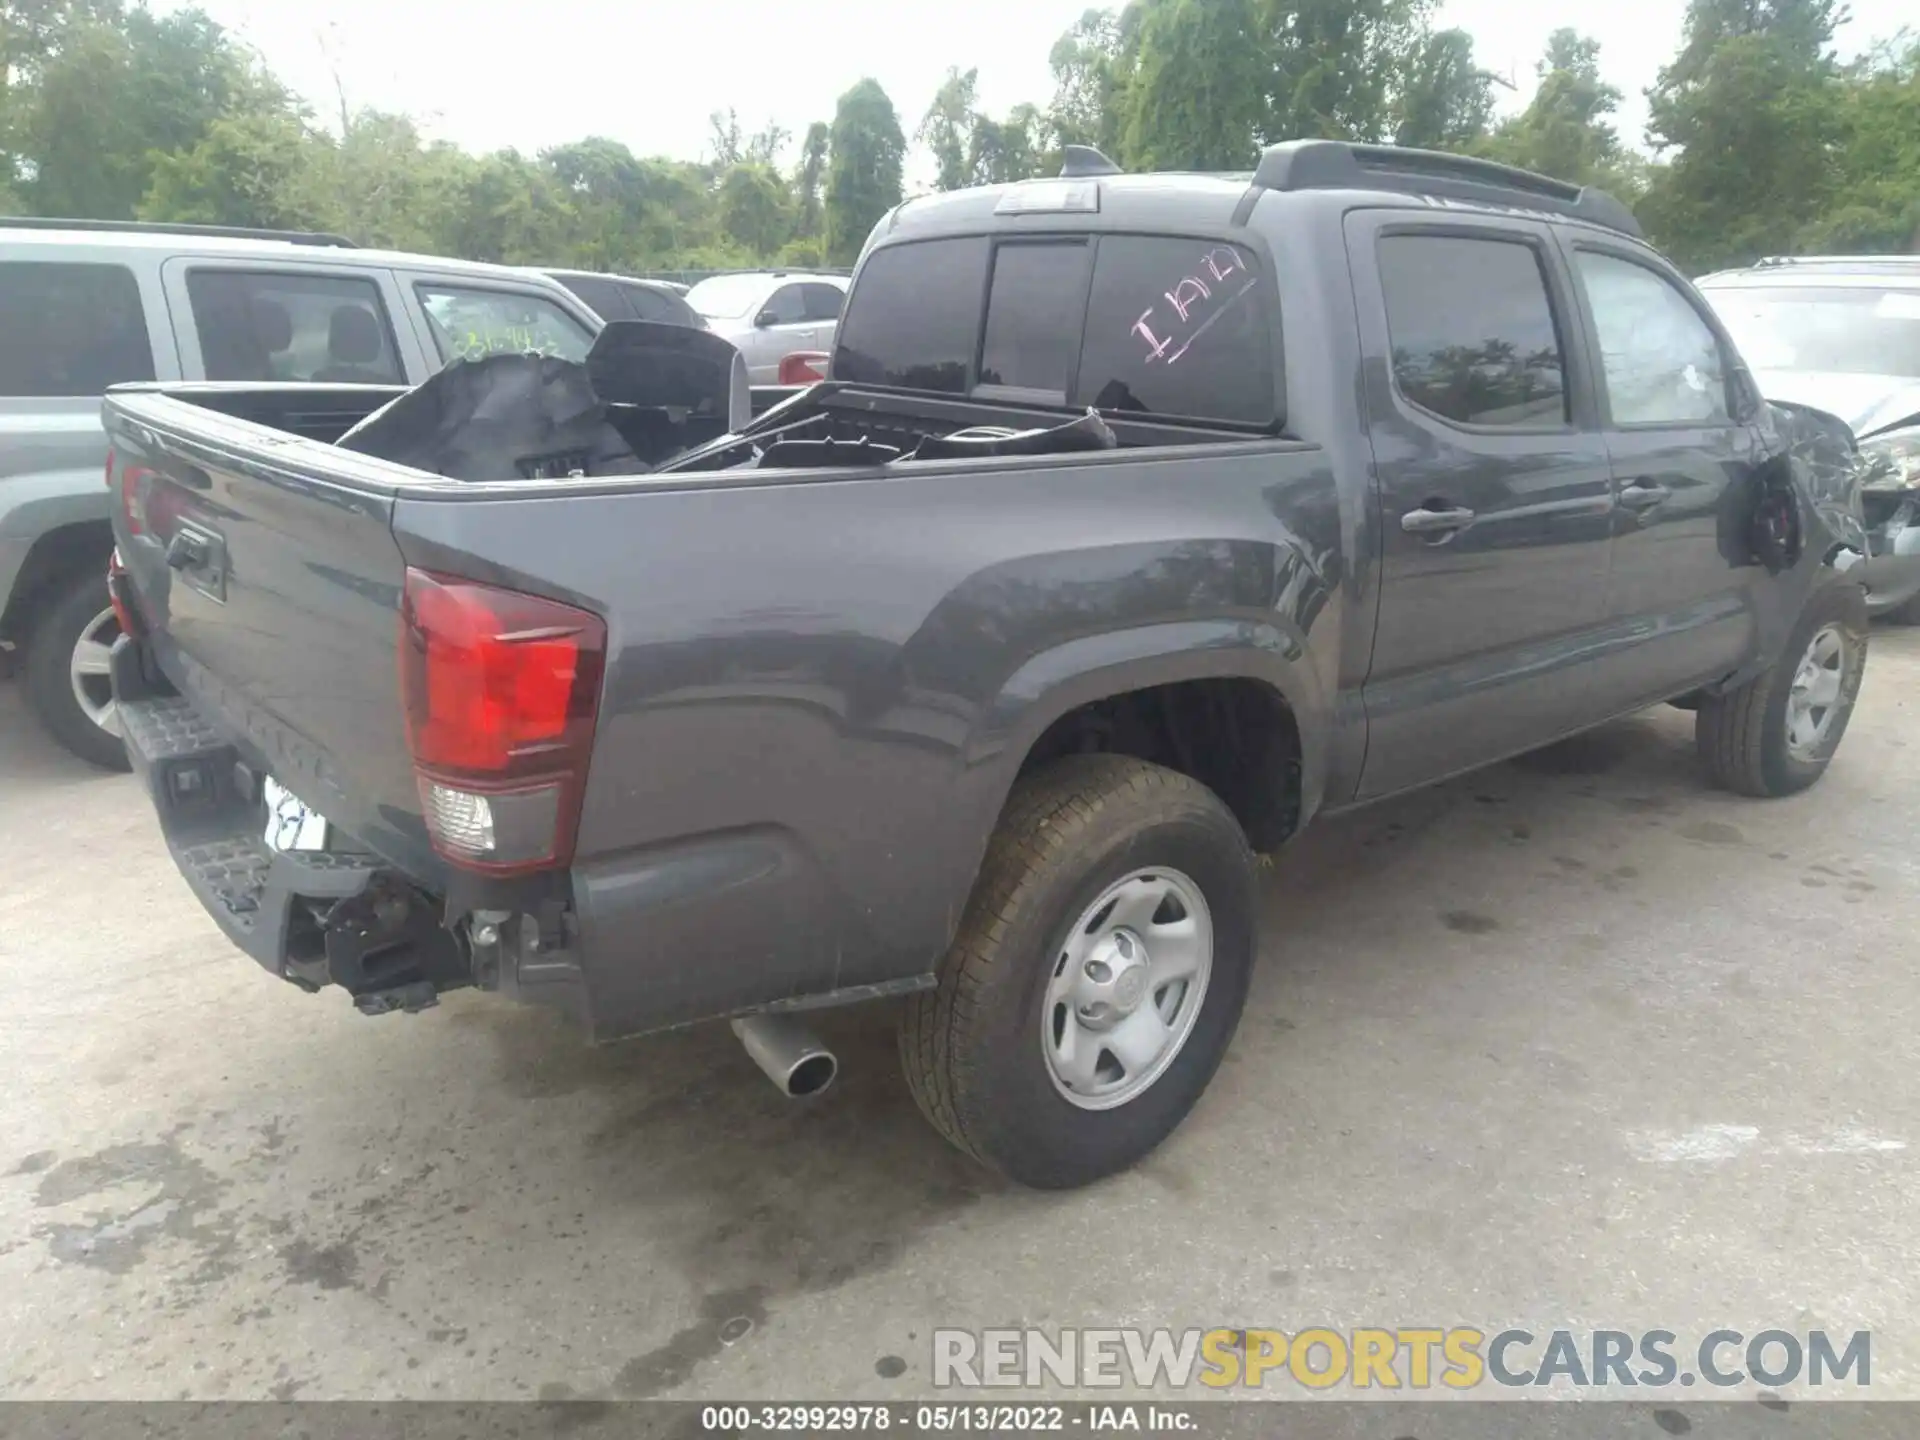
<point>819,681</point>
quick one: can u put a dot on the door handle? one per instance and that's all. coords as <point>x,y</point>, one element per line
<point>187,551</point>
<point>1644,495</point>
<point>1436,520</point>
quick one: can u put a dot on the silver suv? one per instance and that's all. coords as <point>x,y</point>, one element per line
<point>1842,333</point>
<point>771,315</point>
<point>85,305</point>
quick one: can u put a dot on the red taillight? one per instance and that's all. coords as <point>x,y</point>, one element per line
<point>116,579</point>
<point>500,691</point>
<point>804,367</point>
<point>136,490</point>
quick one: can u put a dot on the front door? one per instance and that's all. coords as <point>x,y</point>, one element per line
<point>1494,493</point>
<point>1681,575</point>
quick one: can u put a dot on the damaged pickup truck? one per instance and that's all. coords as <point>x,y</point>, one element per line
<point>1141,520</point>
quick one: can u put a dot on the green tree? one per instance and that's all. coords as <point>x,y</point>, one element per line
<point>867,152</point>
<point>1445,100</point>
<point>511,210</point>
<point>948,126</point>
<point>111,92</point>
<point>809,178</point>
<point>1090,63</point>
<point>250,168</point>
<point>756,208</point>
<point>999,151</point>
<point>1565,131</point>
<point>1878,184</point>
<point>1753,107</point>
<point>1336,66</point>
<point>1196,98</point>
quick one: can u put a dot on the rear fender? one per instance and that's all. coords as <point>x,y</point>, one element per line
<point>1092,668</point>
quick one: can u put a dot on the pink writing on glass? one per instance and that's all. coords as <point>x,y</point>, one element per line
<point>1197,300</point>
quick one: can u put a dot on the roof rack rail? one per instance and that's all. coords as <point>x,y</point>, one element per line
<point>1079,161</point>
<point>1343,165</point>
<point>1766,262</point>
<point>150,227</point>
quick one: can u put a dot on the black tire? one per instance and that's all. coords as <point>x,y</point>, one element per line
<point>1742,735</point>
<point>67,609</point>
<point>971,1047</point>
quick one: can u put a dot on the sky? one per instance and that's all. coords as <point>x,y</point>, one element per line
<point>648,73</point>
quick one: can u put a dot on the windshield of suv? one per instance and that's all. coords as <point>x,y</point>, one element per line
<point>1833,329</point>
<point>727,297</point>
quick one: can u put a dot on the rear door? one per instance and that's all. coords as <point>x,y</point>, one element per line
<point>1494,492</point>
<point>1680,460</point>
<point>824,304</point>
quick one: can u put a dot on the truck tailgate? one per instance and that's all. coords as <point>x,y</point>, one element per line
<point>269,581</point>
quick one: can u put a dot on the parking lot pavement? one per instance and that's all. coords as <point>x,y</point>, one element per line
<point>1573,1042</point>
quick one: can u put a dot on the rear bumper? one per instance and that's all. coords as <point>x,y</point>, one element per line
<point>704,928</point>
<point>312,918</point>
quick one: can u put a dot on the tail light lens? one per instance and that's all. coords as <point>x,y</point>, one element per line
<point>501,691</point>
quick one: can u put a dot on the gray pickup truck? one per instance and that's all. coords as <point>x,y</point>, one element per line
<point>85,304</point>
<point>1141,520</point>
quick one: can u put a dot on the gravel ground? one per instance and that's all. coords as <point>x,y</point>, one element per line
<point>1575,1042</point>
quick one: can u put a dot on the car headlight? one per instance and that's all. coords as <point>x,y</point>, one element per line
<point>1892,460</point>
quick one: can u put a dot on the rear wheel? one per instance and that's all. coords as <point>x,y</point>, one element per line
<point>66,675</point>
<point>1098,975</point>
<point>1777,733</point>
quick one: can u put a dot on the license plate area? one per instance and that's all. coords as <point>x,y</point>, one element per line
<point>291,824</point>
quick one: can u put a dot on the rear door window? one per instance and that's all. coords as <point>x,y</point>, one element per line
<point>824,302</point>
<point>605,298</point>
<point>915,316</point>
<point>649,304</point>
<point>259,325</point>
<point>1034,310</point>
<point>1177,327</point>
<point>68,329</point>
<point>470,324</point>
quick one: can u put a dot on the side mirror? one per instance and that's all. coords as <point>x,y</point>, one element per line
<point>765,318</point>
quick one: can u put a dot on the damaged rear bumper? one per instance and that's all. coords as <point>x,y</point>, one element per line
<point>313,918</point>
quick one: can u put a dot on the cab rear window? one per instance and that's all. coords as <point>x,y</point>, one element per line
<point>1153,324</point>
<point>914,318</point>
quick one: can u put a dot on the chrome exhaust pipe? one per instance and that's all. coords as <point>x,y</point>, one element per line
<point>790,1054</point>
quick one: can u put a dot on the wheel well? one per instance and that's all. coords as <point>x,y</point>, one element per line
<point>1238,737</point>
<point>54,555</point>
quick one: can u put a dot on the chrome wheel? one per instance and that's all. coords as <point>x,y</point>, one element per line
<point>1126,988</point>
<point>89,671</point>
<point>1814,701</point>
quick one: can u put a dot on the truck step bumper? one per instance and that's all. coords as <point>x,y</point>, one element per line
<point>314,918</point>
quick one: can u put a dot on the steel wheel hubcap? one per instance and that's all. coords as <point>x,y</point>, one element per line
<point>1127,987</point>
<point>1814,700</point>
<point>90,673</point>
